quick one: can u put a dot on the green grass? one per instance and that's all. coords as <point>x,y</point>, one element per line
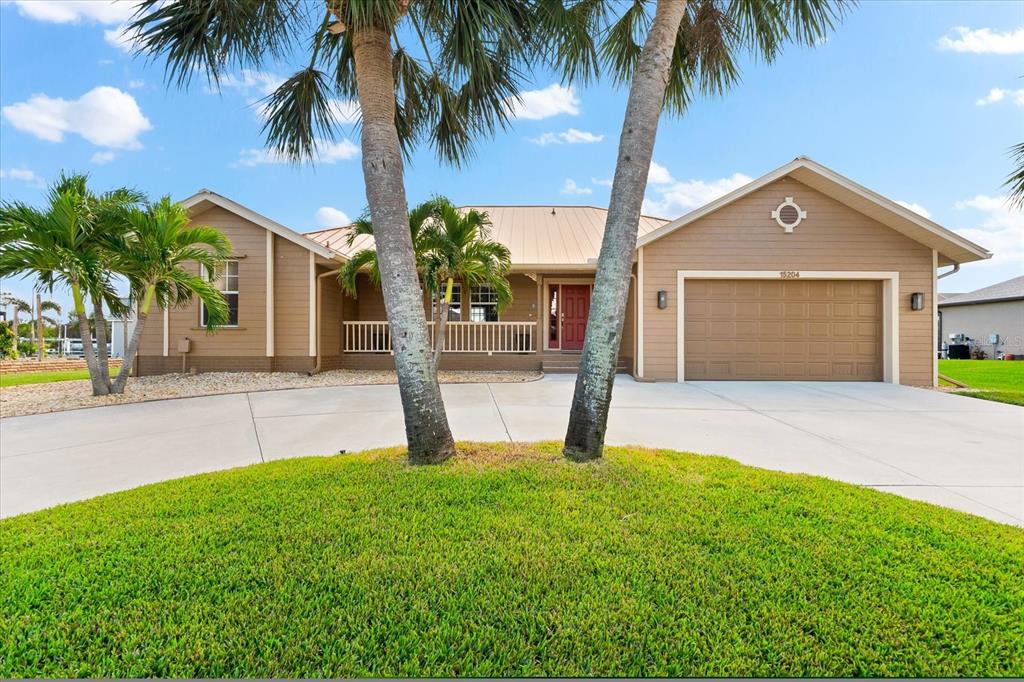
<point>508,561</point>
<point>999,380</point>
<point>22,378</point>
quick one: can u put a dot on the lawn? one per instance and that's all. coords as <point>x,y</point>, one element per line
<point>22,378</point>
<point>508,561</point>
<point>1000,380</point>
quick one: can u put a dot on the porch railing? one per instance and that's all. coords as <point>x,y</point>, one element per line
<point>460,337</point>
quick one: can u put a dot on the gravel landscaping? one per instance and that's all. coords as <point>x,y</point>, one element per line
<point>70,395</point>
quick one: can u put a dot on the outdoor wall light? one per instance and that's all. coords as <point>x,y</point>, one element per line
<point>917,301</point>
<point>662,299</point>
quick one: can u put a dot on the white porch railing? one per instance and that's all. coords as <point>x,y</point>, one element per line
<point>460,337</point>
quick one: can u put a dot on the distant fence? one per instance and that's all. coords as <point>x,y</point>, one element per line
<point>47,365</point>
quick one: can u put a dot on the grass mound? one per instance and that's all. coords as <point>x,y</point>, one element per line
<point>508,561</point>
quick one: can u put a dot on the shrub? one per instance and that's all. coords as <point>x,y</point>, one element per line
<point>6,342</point>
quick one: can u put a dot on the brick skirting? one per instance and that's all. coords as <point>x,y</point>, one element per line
<point>48,365</point>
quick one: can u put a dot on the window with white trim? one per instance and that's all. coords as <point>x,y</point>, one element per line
<point>455,308</point>
<point>483,304</point>
<point>225,278</point>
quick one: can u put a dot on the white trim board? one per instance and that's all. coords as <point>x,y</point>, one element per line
<point>261,220</point>
<point>890,308</point>
<point>270,294</point>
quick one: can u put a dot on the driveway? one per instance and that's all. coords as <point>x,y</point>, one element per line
<point>954,451</point>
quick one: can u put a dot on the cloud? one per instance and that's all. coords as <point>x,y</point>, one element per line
<point>328,216</point>
<point>916,208</point>
<point>345,111</point>
<point>122,38</point>
<point>327,152</point>
<point>74,11</point>
<point>998,95</point>
<point>105,116</point>
<point>570,187</point>
<point>599,181</point>
<point>570,136</point>
<point>22,175</point>
<point>102,158</point>
<point>673,198</point>
<point>983,41</point>
<point>136,84</point>
<point>553,100</point>
<point>1000,230</point>
<point>248,80</point>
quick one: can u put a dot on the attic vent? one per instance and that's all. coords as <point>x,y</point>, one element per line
<point>788,214</point>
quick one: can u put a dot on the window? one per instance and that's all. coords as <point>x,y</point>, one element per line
<point>225,278</point>
<point>455,309</point>
<point>553,316</point>
<point>483,304</point>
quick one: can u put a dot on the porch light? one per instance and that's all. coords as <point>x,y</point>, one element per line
<point>662,299</point>
<point>917,301</point>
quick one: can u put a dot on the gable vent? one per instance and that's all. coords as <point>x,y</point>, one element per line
<point>788,214</point>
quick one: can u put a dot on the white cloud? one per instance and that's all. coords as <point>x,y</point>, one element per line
<point>916,208</point>
<point>983,41</point>
<point>999,94</point>
<point>327,152</point>
<point>121,38</point>
<point>136,84</point>
<point>105,116</point>
<point>570,187</point>
<point>570,136</point>
<point>658,174</point>
<point>102,158</point>
<point>73,11</point>
<point>345,111</point>
<point>247,80</point>
<point>675,197</point>
<point>1000,230</point>
<point>599,181</point>
<point>553,100</point>
<point>328,216</point>
<point>22,175</point>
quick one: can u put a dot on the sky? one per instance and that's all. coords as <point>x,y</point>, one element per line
<point>918,101</point>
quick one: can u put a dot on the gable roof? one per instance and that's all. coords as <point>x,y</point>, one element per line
<point>953,247</point>
<point>205,195</point>
<point>538,237</point>
<point>1010,290</point>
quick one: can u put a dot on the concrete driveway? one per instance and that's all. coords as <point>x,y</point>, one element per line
<point>954,451</point>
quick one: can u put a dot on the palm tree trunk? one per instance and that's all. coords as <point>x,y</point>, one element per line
<point>102,356</point>
<point>17,334</point>
<point>41,350</point>
<point>588,416</point>
<point>99,387</point>
<point>426,424</point>
<point>133,346</point>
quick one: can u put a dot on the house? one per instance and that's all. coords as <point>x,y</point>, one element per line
<point>800,275</point>
<point>992,318</point>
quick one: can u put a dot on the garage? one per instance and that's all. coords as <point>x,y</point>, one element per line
<point>795,330</point>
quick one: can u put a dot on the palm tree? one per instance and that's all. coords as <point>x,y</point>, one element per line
<point>157,255</point>
<point>18,306</point>
<point>42,306</point>
<point>62,245</point>
<point>689,47</point>
<point>457,246</point>
<point>454,86</point>
<point>1016,179</point>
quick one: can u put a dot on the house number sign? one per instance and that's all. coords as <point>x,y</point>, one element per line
<point>789,274</point>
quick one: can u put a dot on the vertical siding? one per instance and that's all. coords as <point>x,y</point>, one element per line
<point>249,245</point>
<point>742,236</point>
<point>291,303</point>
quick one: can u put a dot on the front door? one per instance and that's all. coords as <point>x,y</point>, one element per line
<point>575,309</point>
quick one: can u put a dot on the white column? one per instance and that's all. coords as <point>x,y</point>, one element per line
<point>270,294</point>
<point>167,332</point>
<point>640,299</point>
<point>312,303</point>
<point>935,317</point>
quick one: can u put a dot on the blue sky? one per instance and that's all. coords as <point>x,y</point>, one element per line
<point>916,100</point>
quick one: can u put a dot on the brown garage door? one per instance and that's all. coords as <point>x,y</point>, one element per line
<point>814,330</point>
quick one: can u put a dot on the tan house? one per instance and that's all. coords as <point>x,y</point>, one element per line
<point>800,275</point>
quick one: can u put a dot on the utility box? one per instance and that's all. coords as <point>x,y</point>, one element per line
<point>184,345</point>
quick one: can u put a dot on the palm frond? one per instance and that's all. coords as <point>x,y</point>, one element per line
<point>1015,181</point>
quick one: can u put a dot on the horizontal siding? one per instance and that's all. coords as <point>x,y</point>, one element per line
<point>743,236</point>
<point>291,302</point>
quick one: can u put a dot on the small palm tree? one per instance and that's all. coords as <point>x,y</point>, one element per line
<point>18,306</point>
<point>458,246</point>
<point>158,255</point>
<point>41,319</point>
<point>63,244</point>
<point>684,49</point>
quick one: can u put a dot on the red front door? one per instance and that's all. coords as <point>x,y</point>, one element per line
<point>575,308</point>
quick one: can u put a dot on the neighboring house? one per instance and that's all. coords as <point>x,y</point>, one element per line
<point>993,318</point>
<point>800,275</point>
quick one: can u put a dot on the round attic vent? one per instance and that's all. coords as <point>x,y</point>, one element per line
<point>788,214</point>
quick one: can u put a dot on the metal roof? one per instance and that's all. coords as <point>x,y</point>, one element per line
<point>539,237</point>
<point>1010,290</point>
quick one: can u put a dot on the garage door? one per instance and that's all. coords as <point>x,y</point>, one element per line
<point>813,330</point>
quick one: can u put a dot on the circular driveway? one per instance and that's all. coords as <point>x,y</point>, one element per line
<point>950,450</point>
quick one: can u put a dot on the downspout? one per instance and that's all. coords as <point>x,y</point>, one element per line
<point>319,318</point>
<point>956,269</point>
